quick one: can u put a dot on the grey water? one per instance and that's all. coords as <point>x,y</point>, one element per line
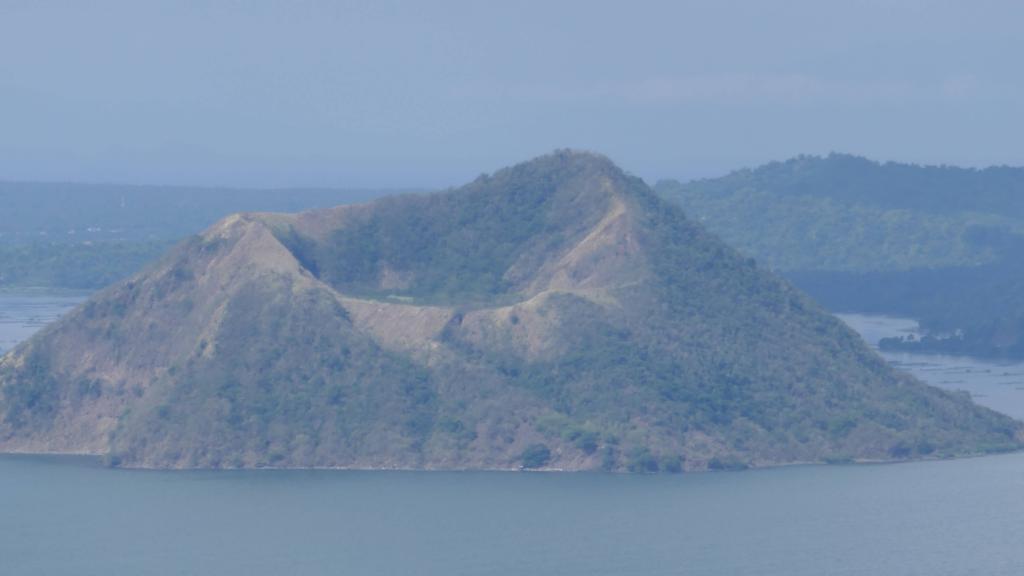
<point>997,384</point>
<point>71,516</point>
<point>65,516</point>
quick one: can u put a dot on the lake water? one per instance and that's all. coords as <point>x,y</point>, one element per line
<point>64,516</point>
<point>70,516</point>
<point>993,383</point>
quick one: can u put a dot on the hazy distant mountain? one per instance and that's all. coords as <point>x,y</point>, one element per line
<point>941,244</point>
<point>555,314</point>
<point>848,213</point>
<point>87,236</point>
<point>73,212</point>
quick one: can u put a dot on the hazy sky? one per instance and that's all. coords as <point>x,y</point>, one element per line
<point>391,94</point>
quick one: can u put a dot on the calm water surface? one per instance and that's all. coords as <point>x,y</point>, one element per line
<point>70,516</point>
<point>993,383</point>
<point>64,516</point>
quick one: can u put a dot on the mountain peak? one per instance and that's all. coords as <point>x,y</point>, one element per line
<point>583,159</point>
<point>555,307</point>
<point>562,165</point>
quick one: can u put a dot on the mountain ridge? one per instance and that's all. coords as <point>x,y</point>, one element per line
<point>554,314</point>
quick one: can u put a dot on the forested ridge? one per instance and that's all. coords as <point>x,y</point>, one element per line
<point>554,314</point>
<point>940,244</point>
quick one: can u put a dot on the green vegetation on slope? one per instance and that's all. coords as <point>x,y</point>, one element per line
<point>939,244</point>
<point>844,213</point>
<point>555,314</point>
<point>457,246</point>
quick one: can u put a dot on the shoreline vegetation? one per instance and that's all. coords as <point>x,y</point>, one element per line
<point>554,314</point>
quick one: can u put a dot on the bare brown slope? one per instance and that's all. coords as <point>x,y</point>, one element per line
<point>556,307</point>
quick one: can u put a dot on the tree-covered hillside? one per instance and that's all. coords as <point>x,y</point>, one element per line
<point>845,213</point>
<point>555,314</point>
<point>940,244</point>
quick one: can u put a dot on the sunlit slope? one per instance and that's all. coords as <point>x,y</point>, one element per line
<point>554,314</point>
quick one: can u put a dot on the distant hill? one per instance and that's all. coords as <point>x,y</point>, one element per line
<point>944,245</point>
<point>846,213</point>
<point>556,314</point>
<point>87,236</point>
<point>73,212</point>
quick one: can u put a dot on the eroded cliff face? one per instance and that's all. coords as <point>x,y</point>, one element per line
<point>555,314</point>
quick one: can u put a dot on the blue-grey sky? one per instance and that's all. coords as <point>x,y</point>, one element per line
<point>389,94</point>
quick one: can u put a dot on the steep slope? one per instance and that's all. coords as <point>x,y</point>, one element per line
<point>554,314</point>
